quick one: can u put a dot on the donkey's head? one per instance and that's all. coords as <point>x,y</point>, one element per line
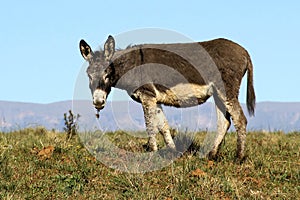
<point>100,70</point>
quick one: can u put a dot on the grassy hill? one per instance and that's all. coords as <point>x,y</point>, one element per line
<point>40,164</point>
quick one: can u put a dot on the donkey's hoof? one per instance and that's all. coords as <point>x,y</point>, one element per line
<point>171,146</point>
<point>240,158</point>
<point>212,155</point>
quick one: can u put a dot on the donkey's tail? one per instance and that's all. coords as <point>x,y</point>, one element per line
<point>251,99</point>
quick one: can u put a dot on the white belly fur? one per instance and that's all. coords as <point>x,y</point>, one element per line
<point>185,94</point>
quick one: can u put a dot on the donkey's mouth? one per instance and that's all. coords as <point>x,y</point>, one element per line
<point>98,108</point>
<point>99,105</point>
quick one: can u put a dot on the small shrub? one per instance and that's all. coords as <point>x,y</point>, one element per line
<point>71,125</point>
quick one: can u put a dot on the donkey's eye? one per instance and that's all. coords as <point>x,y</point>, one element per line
<point>107,77</point>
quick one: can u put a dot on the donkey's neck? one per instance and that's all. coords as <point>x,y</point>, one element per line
<point>124,61</point>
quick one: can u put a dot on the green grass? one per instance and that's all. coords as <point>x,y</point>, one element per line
<point>271,170</point>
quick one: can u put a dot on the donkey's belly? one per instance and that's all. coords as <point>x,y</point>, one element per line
<point>185,95</point>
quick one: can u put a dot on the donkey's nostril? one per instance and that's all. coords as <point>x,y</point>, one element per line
<point>99,104</point>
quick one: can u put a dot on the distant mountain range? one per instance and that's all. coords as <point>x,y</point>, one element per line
<point>128,115</point>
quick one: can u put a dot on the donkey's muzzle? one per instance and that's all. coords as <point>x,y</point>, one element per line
<point>99,99</point>
<point>99,105</point>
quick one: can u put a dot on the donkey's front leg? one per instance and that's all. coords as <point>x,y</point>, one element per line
<point>163,127</point>
<point>156,122</point>
<point>150,110</point>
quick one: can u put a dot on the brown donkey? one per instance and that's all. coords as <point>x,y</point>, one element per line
<point>180,75</point>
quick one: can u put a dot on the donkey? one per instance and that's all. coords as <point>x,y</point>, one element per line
<point>166,74</point>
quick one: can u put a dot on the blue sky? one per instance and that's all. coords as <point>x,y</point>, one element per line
<point>40,59</point>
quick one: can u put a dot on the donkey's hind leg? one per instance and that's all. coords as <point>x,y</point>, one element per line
<point>163,127</point>
<point>223,124</point>
<point>240,123</point>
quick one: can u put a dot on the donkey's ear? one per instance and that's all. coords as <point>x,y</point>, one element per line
<point>109,48</point>
<point>85,50</point>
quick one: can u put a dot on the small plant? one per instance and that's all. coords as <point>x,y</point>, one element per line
<point>71,125</point>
